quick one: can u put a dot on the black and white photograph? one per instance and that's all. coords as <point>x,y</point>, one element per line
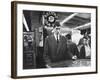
<point>54,39</point>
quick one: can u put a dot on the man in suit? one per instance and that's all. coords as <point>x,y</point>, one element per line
<point>72,46</point>
<point>55,48</point>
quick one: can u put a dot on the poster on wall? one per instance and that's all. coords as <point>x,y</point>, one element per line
<point>53,39</point>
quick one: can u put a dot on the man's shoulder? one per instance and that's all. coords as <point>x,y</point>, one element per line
<point>73,43</point>
<point>50,36</point>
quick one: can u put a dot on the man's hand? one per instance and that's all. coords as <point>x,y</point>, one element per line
<point>48,66</point>
<point>74,57</point>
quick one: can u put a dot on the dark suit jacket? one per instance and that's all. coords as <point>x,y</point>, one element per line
<point>73,48</point>
<point>82,52</point>
<point>54,52</point>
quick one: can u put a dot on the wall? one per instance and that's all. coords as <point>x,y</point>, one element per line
<point>5,40</point>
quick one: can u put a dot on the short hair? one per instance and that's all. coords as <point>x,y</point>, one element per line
<point>57,24</point>
<point>85,38</point>
<point>68,36</point>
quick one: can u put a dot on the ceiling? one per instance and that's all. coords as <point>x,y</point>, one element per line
<point>78,20</point>
<point>69,20</point>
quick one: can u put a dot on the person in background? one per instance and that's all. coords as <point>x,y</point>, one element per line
<point>39,58</point>
<point>85,51</point>
<point>80,44</point>
<point>72,46</point>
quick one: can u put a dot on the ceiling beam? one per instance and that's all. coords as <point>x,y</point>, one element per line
<point>68,18</point>
<point>25,23</point>
<point>87,24</point>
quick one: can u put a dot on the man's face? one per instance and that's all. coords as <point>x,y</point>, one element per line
<point>57,31</point>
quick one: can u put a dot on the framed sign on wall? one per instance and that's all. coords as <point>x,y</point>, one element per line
<point>53,39</point>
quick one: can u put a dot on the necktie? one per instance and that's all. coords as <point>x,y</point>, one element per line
<point>57,39</point>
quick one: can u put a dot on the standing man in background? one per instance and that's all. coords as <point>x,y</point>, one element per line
<point>72,47</point>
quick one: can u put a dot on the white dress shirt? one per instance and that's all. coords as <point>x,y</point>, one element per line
<point>87,51</point>
<point>56,36</point>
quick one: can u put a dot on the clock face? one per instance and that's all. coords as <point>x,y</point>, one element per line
<point>51,18</point>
